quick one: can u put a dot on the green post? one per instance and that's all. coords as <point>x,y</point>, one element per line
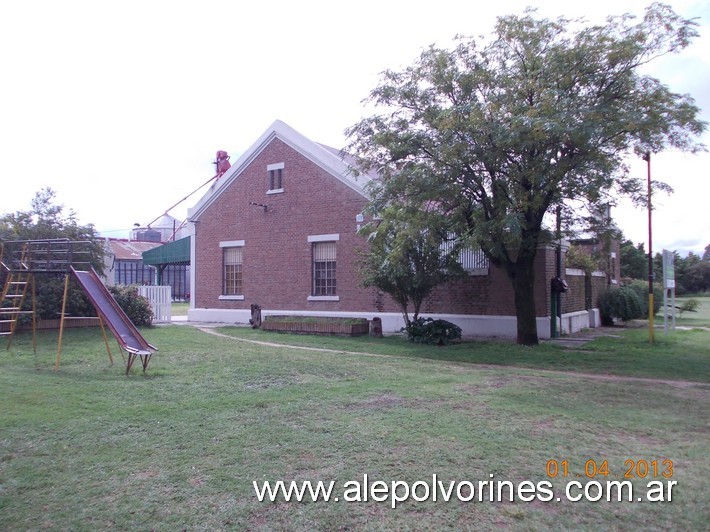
<point>553,312</point>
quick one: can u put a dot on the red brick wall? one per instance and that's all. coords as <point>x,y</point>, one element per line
<point>492,294</point>
<point>607,263</point>
<point>277,257</point>
<point>574,299</point>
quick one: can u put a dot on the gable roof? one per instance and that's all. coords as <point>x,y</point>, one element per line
<point>330,159</point>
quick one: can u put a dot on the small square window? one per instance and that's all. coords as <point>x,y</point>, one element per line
<point>276,179</point>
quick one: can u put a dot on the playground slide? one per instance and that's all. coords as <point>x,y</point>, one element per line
<point>113,315</point>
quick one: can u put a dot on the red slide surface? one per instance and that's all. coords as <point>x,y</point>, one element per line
<point>113,315</point>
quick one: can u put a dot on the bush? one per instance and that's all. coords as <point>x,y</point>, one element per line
<point>136,307</point>
<point>430,331</point>
<point>691,305</point>
<point>621,303</point>
<point>641,288</point>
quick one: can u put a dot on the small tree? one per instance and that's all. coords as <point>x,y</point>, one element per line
<point>578,258</point>
<point>410,253</point>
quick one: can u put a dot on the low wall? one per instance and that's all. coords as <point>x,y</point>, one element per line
<point>42,325</point>
<point>572,322</point>
<point>479,326</point>
<point>583,292</point>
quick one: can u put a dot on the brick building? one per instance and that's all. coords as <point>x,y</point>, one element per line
<point>279,229</point>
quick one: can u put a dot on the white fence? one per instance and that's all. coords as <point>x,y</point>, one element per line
<point>160,298</point>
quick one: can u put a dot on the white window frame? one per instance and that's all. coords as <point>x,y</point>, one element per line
<point>331,237</point>
<point>231,244</point>
<point>273,167</point>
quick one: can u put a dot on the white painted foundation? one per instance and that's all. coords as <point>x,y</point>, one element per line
<point>482,326</point>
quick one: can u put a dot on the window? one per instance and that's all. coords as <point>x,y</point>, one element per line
<point>232,271</point>
<point>324,277</point>
<point>473,260</point>
<point>276,179</point>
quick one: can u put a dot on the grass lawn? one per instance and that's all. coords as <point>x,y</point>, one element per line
<point>179,308</point>
<point>178,448</point>
<point>699,318</point>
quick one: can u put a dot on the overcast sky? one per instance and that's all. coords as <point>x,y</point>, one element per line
<point>121,106</point>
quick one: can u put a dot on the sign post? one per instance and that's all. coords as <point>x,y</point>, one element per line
<point>668,287</point>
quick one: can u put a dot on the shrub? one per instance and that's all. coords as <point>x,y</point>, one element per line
<point>430,331</point>
<point>136,307</point>
<point>621,303</point>
<point>641,288</point>
<point>691,305</point>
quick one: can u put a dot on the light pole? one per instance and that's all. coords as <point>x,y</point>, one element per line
<point>647,158</point>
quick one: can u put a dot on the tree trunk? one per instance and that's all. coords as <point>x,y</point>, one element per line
<point>523,279</point>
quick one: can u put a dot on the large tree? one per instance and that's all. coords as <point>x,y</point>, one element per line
<point>499,132</point>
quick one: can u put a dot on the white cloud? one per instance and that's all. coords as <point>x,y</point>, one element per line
<point>120,107</point>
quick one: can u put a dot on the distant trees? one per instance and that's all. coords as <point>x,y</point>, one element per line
<point>48,220</point>
<point>634,260</point>
<point>43,221</point>
<point>696,277</point>
<point>692,272</point>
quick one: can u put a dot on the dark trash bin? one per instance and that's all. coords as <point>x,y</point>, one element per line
<point>376,327</point>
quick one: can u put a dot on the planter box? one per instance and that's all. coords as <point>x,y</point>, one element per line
<point>52,324</point>
<point>340,326</point>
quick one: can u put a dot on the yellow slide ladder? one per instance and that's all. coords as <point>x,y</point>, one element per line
<point>18,282</point>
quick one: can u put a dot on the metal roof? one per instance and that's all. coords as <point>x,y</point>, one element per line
<point>130,249</point>
<point>177,252</point>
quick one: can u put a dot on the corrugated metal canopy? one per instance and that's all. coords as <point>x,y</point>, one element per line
<point>177,252</point>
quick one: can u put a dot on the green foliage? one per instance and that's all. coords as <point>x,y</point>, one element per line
<point>641,288</point>
<point>45,220</point>
<point>578,258</point>
<point>690,305</point>
<point>408,255</point>
<point>692,272</point>
<point>136,307</point>
<point>497,133</point>
<point>431,331</point>
<point>621,303</point>
<point>696,277</point>
<point>634,261</point>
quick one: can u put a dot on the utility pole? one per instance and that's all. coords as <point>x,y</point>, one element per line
<point>647,158</point>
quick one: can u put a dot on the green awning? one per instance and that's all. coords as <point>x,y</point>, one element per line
<point>177,252</point>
